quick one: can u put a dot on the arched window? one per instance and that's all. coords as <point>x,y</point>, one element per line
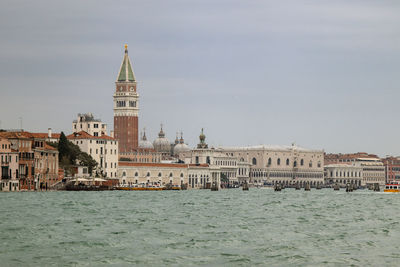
<point>170,175</point>
<point>136,174</point>
<point>182,175</point>
<point>159,174</point>
<point>319,164</point>
<point>269,161</point>
<point>310,165</point>
<point>254,161</point>
<point>124,174</point>
<point>294,163</point>
<point>302,162</point>
<point>278,161</point>
<point>287,162</point>
<point>148,174</point>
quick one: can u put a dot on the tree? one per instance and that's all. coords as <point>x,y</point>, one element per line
<point>63,147</point>
<point>224,179</point>
<point>86,160</point>
<point>70,154</point>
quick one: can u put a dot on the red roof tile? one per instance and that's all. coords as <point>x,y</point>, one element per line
<point>46,135</point>
<point>85,135</point>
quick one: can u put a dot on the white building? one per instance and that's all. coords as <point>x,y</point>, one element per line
<point>177,174</point>
<point>373,171</point>
<point>103,149</point>
<point>87,123</point>
<point>287,165</point>
<point>343,174</point>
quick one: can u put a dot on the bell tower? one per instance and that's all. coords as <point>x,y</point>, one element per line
<point>126,107</point>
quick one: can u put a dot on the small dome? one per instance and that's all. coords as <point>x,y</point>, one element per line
<point>181,147</point>
<point>144,143</point>
<point>161,144</point>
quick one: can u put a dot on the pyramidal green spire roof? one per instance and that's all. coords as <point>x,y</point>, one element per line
<point>126,72</point>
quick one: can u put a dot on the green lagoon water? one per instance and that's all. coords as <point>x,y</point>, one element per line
<point>200,227</point>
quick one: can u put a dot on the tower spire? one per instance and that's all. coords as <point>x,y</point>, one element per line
<point>125,73</point>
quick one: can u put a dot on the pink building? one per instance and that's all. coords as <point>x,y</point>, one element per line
<point>9,166</point>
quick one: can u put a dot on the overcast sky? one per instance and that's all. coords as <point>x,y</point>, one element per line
<point>323,74</point>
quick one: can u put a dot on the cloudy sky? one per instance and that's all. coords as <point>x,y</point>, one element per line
<point>323,74</point>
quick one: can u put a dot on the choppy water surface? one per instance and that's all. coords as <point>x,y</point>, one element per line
<point>200,227</point>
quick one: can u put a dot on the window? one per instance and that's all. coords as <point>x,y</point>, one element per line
<point>269,161</point>
<point>95,134</point>
<point>295,164</point>
<point>319,164</point>
<point>159,174</point>
<point>278,161</point>
<point>287,162</point>
<point>302,162</point>
<point>95,125</point>
<point>254,161</point>
<point>136,174</point>
<point>148,174</point>
<point>121,104</point>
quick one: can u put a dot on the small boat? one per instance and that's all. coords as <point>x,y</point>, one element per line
<point>392,187</point>
<point>140,187</point>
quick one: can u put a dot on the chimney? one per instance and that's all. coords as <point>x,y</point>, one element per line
<point>112,134</point>
<point>49,133</point>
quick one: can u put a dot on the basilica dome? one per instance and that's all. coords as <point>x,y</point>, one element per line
<point>181,146</point>
<point>161,144</point>
<point>144,143</point>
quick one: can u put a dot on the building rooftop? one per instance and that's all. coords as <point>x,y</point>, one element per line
<point>85,135</point>
<point>270,147</point>
<point>165,165</point>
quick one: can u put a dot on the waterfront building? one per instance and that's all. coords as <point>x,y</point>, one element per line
<point>9,167</point>
<point>343,174</point>
<point>37,161</point>
<point>126,107</point>
<point>392,168</point>
<point>23,143</point>
<point>223,168</point>
<point>46,165</point>
<point>287,165</point>
<point>195,176</point>
<point>373,171</point>
<point>87,123</point>
<point>103,149</point>
<point>373,168</point>
<point>346,158</point>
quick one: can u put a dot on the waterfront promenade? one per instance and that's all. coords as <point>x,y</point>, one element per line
<point>200,227</point>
